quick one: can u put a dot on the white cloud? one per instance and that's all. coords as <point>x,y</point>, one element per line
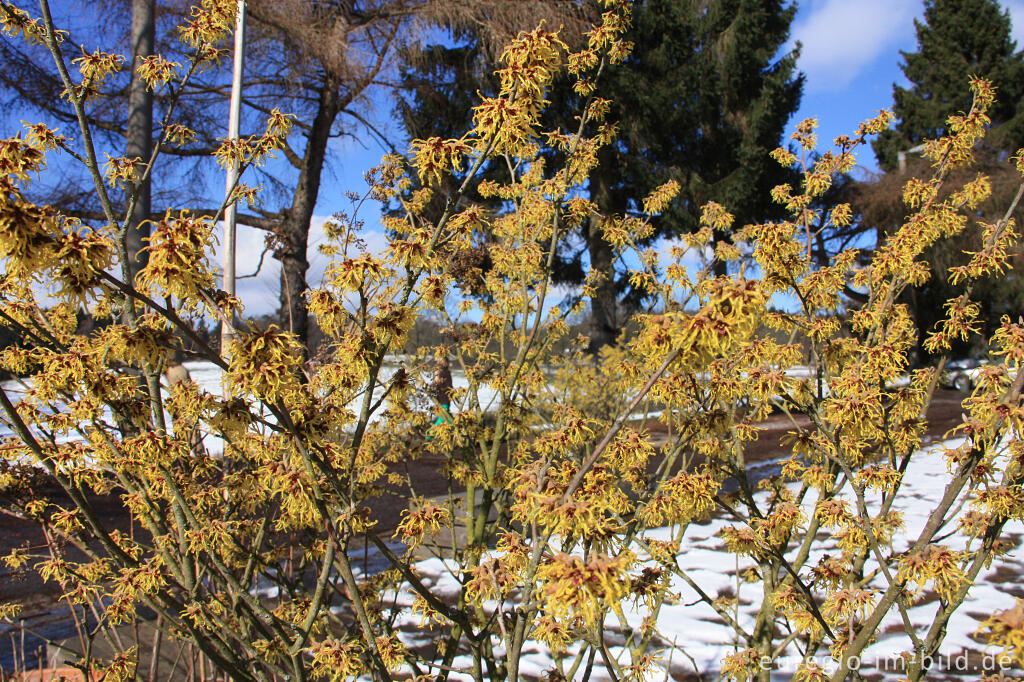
<point>842,38</point>
<point>260,294</point>
<point>1016,8</point>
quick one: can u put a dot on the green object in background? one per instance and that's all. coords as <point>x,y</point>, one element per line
<point>442,418</point>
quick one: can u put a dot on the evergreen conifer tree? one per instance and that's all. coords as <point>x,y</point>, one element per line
<point>702,99</point>
<point>957,38</point>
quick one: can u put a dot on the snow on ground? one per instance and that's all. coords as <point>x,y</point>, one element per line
<point>701,639</point>
<point>208,376</point>
<point>696,631</point>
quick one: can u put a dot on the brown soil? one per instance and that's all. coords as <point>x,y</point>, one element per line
<point>40,603</point>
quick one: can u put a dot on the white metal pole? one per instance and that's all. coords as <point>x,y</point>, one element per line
<point>230,213</point>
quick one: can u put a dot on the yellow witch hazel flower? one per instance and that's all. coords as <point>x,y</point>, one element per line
<point>572,586</point>
<point>728,318</point>
<point>660,198</point>
<point>264,363</point>
<point>1005,629</point>
<point>81,255</point>
<point>96,67</point>
<point>936,564</point>
<point>419,523</point>
<point>335,661</point>
<point>210,22</point>
<point>532,61</point>
<point>571,461</point>
<point>17,22</point>
<point>742,665</point>
<point>684,497</point>
<point>433,157</point>
<point>507,122</point>
<point>157,71</point>
<point>178,258</point>
<point>121,170</point>
<point>556,633</point>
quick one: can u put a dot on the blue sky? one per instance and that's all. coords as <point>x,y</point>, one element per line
<point>850,56</point>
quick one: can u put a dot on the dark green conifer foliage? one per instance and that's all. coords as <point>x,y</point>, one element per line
<point>957,38</point>
<point>703,98</point>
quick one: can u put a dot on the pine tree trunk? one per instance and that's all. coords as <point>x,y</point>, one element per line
<point>139,138</point>
<point>718,266</point>
<point>603,323</point>
<point>603,319</point>
<point>294,230</point>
